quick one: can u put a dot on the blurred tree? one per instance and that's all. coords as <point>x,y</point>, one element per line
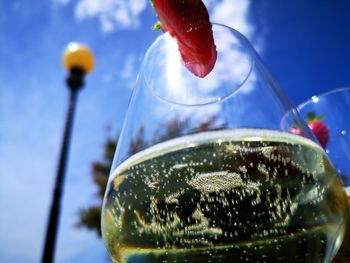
<point>90,217</point>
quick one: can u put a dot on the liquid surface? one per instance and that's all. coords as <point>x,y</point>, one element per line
<point>225,196</point>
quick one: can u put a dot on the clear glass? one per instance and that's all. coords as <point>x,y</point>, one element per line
<point>335,105</point>
<point>205,171</point>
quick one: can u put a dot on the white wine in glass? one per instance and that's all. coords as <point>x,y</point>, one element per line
<point>205,172</point>
<point>334,105</point>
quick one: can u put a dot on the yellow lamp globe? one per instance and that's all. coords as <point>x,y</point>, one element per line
<point>80,56</point>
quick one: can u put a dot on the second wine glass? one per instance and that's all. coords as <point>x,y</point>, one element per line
<point>204,171</point>
<point>334,106</point>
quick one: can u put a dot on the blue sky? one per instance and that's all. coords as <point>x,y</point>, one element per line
<point>304,44</point>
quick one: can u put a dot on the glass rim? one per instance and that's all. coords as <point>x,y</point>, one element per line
<point>244,42</point>
<point>316,98</point>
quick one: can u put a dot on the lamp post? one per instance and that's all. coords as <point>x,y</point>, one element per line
<point>79,61</point>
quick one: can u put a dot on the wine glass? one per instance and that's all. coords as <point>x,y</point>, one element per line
<point>335,106</point>
<point>205,172</point>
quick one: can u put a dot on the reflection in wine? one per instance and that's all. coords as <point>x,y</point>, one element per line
<point>252,195</point>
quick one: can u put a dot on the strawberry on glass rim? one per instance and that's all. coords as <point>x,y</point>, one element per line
<point>188,22</point>
<point>317,126</point>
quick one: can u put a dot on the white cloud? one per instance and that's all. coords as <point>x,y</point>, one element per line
<point>125,14</point>
<point>231,13</point>
<point>113,14</point>
<point>129,70</point>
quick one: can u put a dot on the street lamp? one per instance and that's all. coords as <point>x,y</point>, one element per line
<point>79,61</point>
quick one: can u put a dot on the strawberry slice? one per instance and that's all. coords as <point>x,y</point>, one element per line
<point>188,22</point>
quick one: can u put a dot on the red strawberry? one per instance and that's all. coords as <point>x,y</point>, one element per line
<point>188,22</point>
<point>321,132</point>
<point>316,125</point>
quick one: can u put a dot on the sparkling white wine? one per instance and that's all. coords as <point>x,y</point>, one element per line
<point>226,196</point>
